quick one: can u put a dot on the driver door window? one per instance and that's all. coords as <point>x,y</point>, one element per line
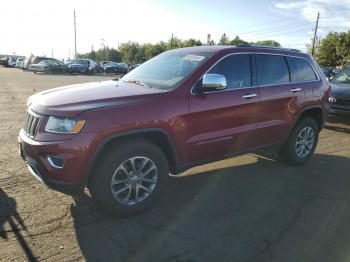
<point>236,69</point>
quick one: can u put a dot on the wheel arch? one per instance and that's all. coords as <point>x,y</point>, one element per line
<point>158,136</point>
<point>314,112</point>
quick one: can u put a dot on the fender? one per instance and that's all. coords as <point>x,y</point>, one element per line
<point>113,136</point>
<point>296,119</point>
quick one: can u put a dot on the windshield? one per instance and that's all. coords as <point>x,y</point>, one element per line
<point>342,78</point>
<point>168,69</point>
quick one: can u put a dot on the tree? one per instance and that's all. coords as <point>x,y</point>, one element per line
<point>327,54</point>
<point>224,40</point>
<point>343,48</point>
<point>333,50</point>
<point>272,43</point>
<point>237,41</point>
<point>135,53</point>
<point>191,42</point>
<point>130,52</point>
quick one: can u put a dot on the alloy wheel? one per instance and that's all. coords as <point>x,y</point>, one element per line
<point>134,180</point>
<point>305,142</point>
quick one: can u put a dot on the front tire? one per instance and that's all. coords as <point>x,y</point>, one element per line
<point>129,178</point>
<point>301,143</point>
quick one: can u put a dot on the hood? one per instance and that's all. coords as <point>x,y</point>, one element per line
<point>340,90</point>
<point>69,101</point>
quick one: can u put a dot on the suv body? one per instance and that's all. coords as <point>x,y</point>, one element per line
<point>232,100</point>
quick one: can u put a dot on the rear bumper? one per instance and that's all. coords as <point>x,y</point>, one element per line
<point>71,177</point>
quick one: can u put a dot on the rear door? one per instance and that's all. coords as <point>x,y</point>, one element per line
<point>279,98</point>
<point>222,122</point>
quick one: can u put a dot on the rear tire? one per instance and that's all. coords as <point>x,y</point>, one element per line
<point>119,185</point>
<point>301,143</point>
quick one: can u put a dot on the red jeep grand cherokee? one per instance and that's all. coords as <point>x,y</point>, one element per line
<point>180,109</point>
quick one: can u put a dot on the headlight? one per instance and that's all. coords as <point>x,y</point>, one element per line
<point>64,125</point>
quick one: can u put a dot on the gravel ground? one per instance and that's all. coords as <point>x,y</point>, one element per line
<point>247,208</point>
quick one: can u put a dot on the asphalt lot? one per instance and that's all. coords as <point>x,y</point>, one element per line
<point>247,208</point>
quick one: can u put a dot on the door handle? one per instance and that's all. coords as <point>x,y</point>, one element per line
<point>248,96</point>
<point>294,90</point>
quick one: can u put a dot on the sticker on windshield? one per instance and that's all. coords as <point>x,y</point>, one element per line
<point>194,58</point>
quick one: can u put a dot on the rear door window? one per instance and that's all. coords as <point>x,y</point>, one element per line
<point>300,70</point>
<point>271,70</point>
<point>236,69</point>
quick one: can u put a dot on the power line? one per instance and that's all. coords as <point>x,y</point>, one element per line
<point>282,33</point>
<point>279,28</point>
<point>263,23</point>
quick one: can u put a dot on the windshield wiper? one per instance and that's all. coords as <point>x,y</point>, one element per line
<point>137,82</point>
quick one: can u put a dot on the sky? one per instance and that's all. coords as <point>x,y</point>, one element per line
<point>43,27</point>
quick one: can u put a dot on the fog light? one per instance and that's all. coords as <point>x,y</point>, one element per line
<point>332,99</point>
<point>55,161</point>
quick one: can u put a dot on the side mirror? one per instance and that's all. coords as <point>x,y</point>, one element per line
<point>213,82</point>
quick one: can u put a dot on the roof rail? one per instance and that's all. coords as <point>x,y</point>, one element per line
<point>270,47</point>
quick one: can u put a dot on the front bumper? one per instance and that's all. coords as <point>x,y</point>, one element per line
<point>76,154</point>
<point>339,111</point>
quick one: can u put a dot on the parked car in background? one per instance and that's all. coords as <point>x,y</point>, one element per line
<point>132,67</point>
<point>12,61</point>
<point>103,63</point>
<point>340,94</point>
<point>19,63</point>
<point>116,68</point>
<point>48,66</point>
<point>99,67</point>
<point>330,72</point>
<point>180,109</point>
<point>4,61</point>
<point>37,59</point>
<point>82,66</point>
<point>27,62</point>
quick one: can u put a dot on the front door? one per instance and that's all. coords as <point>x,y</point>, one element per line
<point>223,122</point>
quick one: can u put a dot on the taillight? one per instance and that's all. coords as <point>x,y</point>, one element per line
<point>328,89</point>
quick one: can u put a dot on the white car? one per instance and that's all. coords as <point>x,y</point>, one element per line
<point>12,61</point>
<point>19,63</point>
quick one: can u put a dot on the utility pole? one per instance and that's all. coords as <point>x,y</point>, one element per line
<point>171,43</point>
<point>75,36</point>
<point>315,35</point>
<point>208,39</point>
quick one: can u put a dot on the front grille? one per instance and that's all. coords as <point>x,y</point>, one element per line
<point>343,101</point>
<point>30,124</point>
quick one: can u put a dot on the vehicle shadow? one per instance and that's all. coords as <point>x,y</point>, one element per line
<point>261,210</point>
<point>9,214</point>
<point>339,124</point>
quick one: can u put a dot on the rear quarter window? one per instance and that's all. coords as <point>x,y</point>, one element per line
<point>300,70</point>
<point>271,69</point>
